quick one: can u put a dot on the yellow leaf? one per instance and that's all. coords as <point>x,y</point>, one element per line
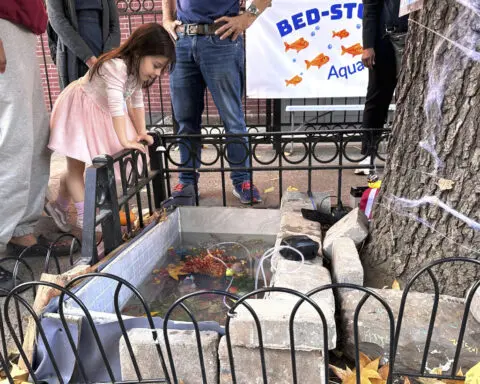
<point>268,190</point>
<point>445,184</point>
<point>175,270</point>
<point>364,360</point>
<point>396,285</point>
<point>384,371</point>
<point>292,189</point>
<point>406,380</point>
<point>473,375</point>
<point>340,373</point>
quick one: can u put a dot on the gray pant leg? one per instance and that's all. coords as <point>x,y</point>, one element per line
<point>24,132</point>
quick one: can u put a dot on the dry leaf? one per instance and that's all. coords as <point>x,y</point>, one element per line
<point>369,372</point>
<point>364,360</point>
<point>406,380</point>
<point>384,371</point>
<point>340,373</point>
<point>445,184</point>
<point>473,375</point>
<point>292,189</point>
<point>268,190</point>
<point>396,285</point>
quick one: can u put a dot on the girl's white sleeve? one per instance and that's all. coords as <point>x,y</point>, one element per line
<point>114,72</point>
<point>137,98</point>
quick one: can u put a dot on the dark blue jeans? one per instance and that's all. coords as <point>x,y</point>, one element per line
<point>207,61</point>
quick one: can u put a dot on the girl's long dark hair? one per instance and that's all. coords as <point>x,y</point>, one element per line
<point>149,39</point>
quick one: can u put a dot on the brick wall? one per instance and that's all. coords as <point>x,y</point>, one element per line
<point>157,98</point>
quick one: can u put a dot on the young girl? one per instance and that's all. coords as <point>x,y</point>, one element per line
<point>103,112</point>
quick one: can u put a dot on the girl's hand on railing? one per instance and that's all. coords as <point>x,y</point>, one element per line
<point>134,145</point>
<point>145,139</point>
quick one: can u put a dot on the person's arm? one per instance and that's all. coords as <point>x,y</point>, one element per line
<point>115,75</point>
<point>3,58</point>
<point>69,36</point>
<point>136,111</point>
<point>113,39</point>
<point>371,17</point>
<point>235,25</point>
<point>170,22</point>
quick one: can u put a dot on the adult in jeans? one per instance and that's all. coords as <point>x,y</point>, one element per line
<point>383,44</point>
<point>79,32</point>
<point>210,54</point>
<point>24,131</point>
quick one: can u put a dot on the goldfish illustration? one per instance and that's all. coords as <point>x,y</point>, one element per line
<point>294,80</point>
<point>318,61</point>
<point>354,50</point>
<point>341,34</point>
<point>298,45</point>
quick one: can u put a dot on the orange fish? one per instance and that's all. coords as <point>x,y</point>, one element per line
<point>294,80</point>
<point>354,50</point>
<point>318,61</point>
<point>341,34</point>
<point>298,45</point>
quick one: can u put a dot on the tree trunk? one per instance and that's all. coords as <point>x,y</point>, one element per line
<point>436,135</point>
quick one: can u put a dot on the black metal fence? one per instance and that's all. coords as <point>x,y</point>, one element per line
<point>168,366</point>
<point>327,148</point>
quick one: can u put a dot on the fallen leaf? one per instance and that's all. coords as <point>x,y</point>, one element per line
<point>396,285</point>
<point>268,190</point>
<point>288,154</point>
<point>406,380</point>
<point>364,360</point>
<point>340,373</point>
<point>445,184</point>
<point>473,375</point>
<point>275,178</point>
<point>292,189</point>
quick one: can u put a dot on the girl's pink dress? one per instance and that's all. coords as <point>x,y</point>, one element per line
<point>81,121</point>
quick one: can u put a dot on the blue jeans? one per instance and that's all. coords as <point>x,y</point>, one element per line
<point>207,61</point>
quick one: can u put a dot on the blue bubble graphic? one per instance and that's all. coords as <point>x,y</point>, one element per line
<point>313,33</point>
<point>301,73</point>
<point>294,60</point>
<point>330,46</point>
<point>317,27</point>
<point>359,26</point>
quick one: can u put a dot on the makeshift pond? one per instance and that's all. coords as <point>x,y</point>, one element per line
<point>226,266</point>
<point>196,248</point>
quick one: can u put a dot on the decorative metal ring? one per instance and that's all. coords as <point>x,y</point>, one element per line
<point>216,157</point>
<point>335,155</point>
<point>149,7</point>
<point>135,9</point>
<point>235,141</point>
<point>131,175</point>
<point>215,131</point>
<point>284,146</point>
<point>257,159</point>
<point>344,151</point>
<point>179,143</point>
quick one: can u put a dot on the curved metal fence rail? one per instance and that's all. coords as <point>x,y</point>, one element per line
<point>15,298</point>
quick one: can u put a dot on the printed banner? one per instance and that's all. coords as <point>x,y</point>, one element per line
<point>306,48</point>
<point>407,6</point>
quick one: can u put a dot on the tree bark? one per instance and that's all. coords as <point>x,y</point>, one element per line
<point>438,107</point>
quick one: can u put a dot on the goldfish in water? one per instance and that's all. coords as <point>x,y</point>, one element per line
<point>294,80</point>
<point>318,61</point>
<point>354,50</point>
<point>297,45</point>
<point>341,34</point>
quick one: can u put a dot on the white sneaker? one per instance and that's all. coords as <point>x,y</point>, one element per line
<point>363,171</point>
<point>58,215</point>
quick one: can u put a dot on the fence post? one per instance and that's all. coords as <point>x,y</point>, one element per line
<point>156,164</point>
<point>100,192</point>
